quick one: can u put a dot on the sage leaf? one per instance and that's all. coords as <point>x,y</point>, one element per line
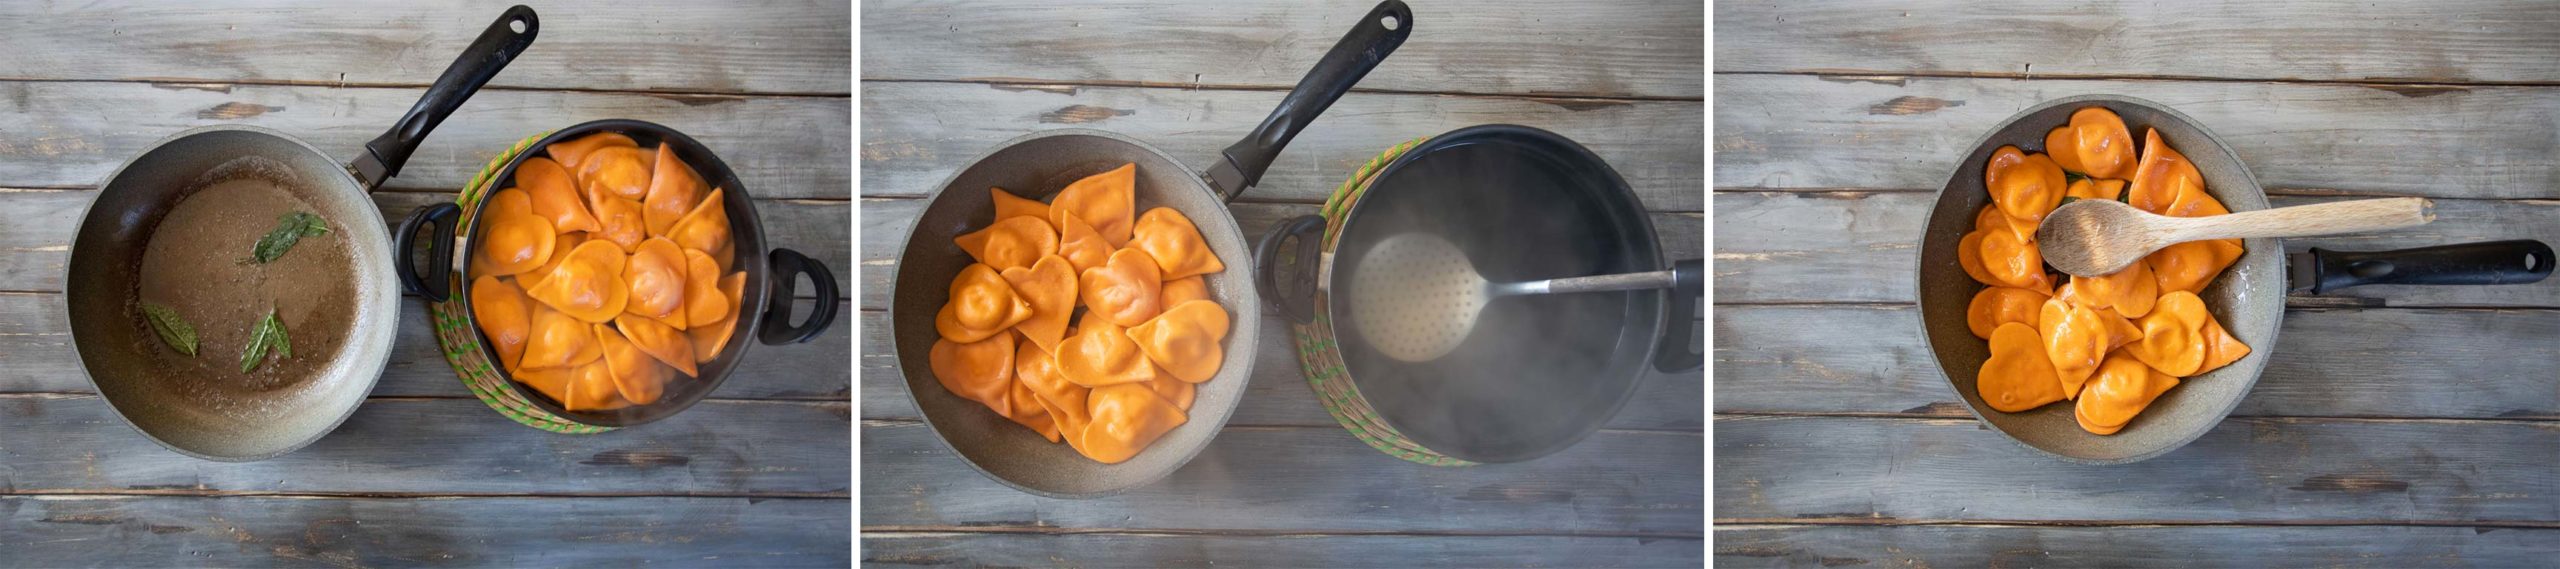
<point>172,328</point>
<point>266,338</point>
<point>290,229</point>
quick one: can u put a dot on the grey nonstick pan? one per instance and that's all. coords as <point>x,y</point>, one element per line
<point>1039,164</point>
<point>196,405</point>
<point>2248,298</point>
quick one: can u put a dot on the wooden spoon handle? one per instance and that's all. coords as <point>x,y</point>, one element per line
<point>2305,220</point>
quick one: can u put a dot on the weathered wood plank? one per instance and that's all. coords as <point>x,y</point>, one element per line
<point>2375,363</point>
<point>886,223</point>
<point>123,531</point>
<point>36,242</point>
<point>1313,480</point>
<point>448,446</point>
<point>2469,40</point>
<point>75,134</point>
<point>914,135</point>
<point>1907,133</point>
<point>790,46</point>
<point>2247,470</point>
<point>1860,247</point>
<point>1643,49</point>
<point>1278,394</point>
<point>921,549</point>
<point>2139,546</point>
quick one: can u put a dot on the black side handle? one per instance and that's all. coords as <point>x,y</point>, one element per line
<point>437,283</point>
<point>788,265</point>
<point>1673,353</point>
<point>1377,35</point>
<point>2494,262</point>
<point>1297,299</point>
<point>478,64</point>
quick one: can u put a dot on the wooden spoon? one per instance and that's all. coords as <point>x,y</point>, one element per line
<point>2099,237</point>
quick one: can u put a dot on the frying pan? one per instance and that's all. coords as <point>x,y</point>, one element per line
<point>2248,298</point>
<point>101,278</point>
<point>1537,373</point>
<point>1042,163</point>
<point>770,276</point>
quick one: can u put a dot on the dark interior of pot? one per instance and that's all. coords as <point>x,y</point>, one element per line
<point>1538,372</point>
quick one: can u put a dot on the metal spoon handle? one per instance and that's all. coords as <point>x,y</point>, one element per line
<point>2357,216</point>
<point>1597,283</point>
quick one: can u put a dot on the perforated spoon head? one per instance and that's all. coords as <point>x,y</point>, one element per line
<point>1415,296</point>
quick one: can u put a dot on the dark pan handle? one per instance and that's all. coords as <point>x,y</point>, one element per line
<point>478,64</point>
<point>1298,300</point>
<point>437,283</point>
<point>788,265</point>
<point>1377,35</point>
<point>1688,284</point>
<point>2487,263</point>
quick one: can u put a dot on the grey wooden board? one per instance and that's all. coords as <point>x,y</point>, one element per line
<point>1621,49</point>
<point>787,46</point>
<point>1311,480</point>
<point>915,135</point>
<point>1866,469</point>
<point>1861,246</point>
<point>2142,546</point>
<point>887,222</point>
<point>2459,41</point>
<point>73,134</point>
<point>1909,132</point>
<point>2420,363</point>
<point>128,531</point>
<point>935,549</point>
<point>447,446</point>
<point>1279,394</point>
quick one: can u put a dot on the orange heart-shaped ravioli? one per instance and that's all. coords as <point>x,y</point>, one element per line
<point>1028,412</point>
<point>2161,176</point>
<point>982,304</point>
<point>2192,265</point>
<point>2122,388</point>
<point>572,152</point>
<point>505,315</point>
<point>673,191</point>
<point>2094,189</point>
<point>706,228</point>
<point>591,388</point>
<point>2220,348</point>
<point>515,240</point>
<point>2001,305</point>
<point>559,340</point>
<point>559,252</point>
<point>656,275</point>
<point>2076,337</point>
<point>1969,256</point>
<point>709,340</point>
<point>1050,287</point>
<point>1010,206</point>
<point>2017,377</point>
<point>2182,339</point>
<point>1083,248</point>
<point>703,303</point>
<point>2129,292</point>
<point>2013,263</point>
<point>617,172</point>
<point>1175,391</point>
<point>980,371</point>
<point>2060,144</point>
<point>1010,242</point>
<point>1108,201</point>
<point>639,378</point>
<point>660,341</point>
<point>1175,244</point>
<point>1184,340</point>
<point>1127,419</point>
<point>1185,289</point>
<point>1126,290</point>
<point>2025,186</point>
<point>620,221</point>
<point>551,382</point>
<point>1101,353</point>
<point>588,285</point>
<point>555,195</point>
<point>1038,371</point>
<point>2100,143</point>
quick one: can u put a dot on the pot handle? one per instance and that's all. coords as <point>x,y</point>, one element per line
<point>1298,302</point>
<point>1368,43</point>
<point>788,265</point>
<point>437,284</point>
<point>478,64</point>
<point>1688,285</point>
<point>2519,261</point>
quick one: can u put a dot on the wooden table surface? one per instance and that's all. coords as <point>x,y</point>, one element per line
<point>1282,484</point>
<point>424,473</point>
<point>2394,426</point>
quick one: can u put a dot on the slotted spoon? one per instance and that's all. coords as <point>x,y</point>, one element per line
<point>1417,295</point>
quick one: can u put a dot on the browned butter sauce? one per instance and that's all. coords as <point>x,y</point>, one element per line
<point>196,262</point>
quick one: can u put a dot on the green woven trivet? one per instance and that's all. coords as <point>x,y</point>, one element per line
<point>462,344</point>
<point>1319,354</point>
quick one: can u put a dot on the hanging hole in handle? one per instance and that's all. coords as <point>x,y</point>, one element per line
<point>2530,261</point>
<point>516,25</point>
<point>1389,22</point>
